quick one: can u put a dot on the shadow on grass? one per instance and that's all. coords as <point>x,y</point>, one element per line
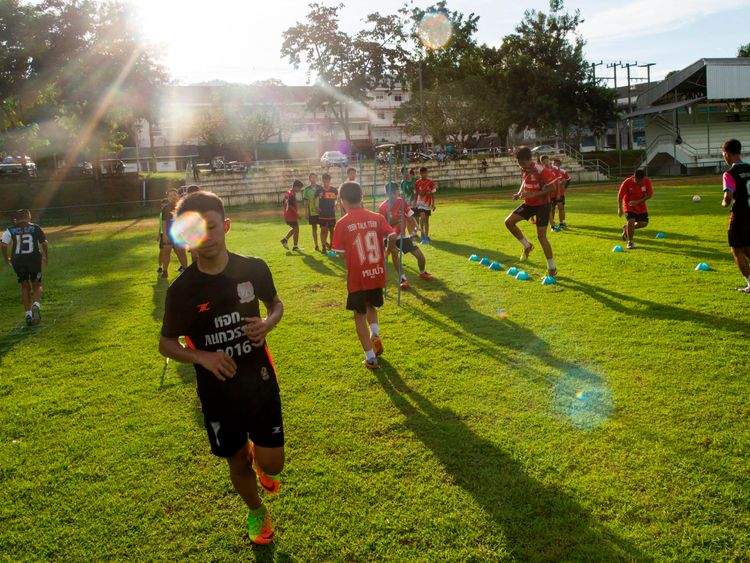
<point>538,521</point>
<point>466,250</point>
<point>318,266</point>
<point>124,228</point>
<point>159,295</point>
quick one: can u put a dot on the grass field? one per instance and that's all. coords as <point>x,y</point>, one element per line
<point>605,419</point>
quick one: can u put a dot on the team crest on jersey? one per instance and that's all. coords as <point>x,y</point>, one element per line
<point>264,374</point>
<point>246,292</point>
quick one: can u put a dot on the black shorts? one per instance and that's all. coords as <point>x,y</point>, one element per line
<point>313,220</point>
<point>262,424</point>
<point>358,301</point>
<point>637,217</point>
<point>559,201</point>
<point>403,243</point>
<point>422,211</point>
<point>293,224</point>
<point>738,233</point>
<point>28,270</point>
<point>328,223</point>
<point>541,212</point>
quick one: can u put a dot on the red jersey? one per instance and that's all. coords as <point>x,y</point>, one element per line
<point>359,234</point>
<point>290,207</point>
<point>397,214</point>
<point>534,180</point>
<point>424,189</point>
<point>630,190</point>
<point>562,177</point>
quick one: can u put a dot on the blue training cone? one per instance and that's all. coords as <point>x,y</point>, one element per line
<point>702,267</point>
<point>473,258</point>
<point>617,248</point>
<point>512,271</point>
<point>496,266</point>
<point>331,254</point>
<point>485,261</point>
<point>502,314</point>
<point>549,280</point>
<point>523,276</point>
<point>661,235</point>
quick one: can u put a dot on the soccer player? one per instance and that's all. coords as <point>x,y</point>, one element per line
<point>559,198</point>
<point>407,186</point>
<point>29,251</point>
<point>215,306</point>
<point>536,185</point>
<point>327,197</point>
<point>400,217</point>
<point>359,234</point>
<point>737,192</point>
<point>425,190</point>
<point>167,244</point>
<point>311,206</point>
<point>634,192</point>
<point>291,215</point>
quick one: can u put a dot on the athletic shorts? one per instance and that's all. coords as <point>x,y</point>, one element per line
<point>358,301</point>
<point>637,217</point>
<point>28,270</point>
<point>263,425</point>
<point>559,201</point>
<point>406,243</point>
<point>293,224</point>
<point>313,220</point>
<point>738,233</point>
<point>422,211</point>
<point>541,212</point>
<point>329,223</point>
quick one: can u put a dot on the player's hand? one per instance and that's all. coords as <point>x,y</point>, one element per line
<point>516,196</point>
<point>219,363</point>
<point>619,212</point>
<point>256,330</point>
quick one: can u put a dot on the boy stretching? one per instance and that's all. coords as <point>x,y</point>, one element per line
<point>215,305</point>
<point>536,185</point>
<point>737,192</point>
<point>359,234</point>
<point>634,192</point>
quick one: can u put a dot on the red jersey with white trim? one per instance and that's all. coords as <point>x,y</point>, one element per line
<point>359,234</point>
<point>630,190</point>
<point>291,213</point>
<point>425,190</point>
<point>562,177</point>
<point>397,214</point>
<point>534,180</point>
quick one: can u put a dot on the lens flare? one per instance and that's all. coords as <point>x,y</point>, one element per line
<point>435,30</point>
<point>188,230</point>
<point>583,398</point>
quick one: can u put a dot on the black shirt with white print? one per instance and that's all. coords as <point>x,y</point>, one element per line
<point>208,310</point>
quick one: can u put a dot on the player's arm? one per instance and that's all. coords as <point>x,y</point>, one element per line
<point>218,363</point>
<point>256,328</point>
<point>44,247</point>
<point>620,197</point>
<point>729,188</point>
<point>4,249</point>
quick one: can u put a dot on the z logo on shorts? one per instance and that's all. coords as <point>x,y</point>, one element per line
<point>246,292</point>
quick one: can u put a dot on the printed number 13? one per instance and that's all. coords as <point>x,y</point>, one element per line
<point>370,250</point>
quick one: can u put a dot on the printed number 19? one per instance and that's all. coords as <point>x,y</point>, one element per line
<point>370,250</point>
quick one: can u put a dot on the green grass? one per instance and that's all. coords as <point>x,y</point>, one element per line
<point>605,419</point>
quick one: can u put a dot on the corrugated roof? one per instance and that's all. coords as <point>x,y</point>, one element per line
<point>661,108</point>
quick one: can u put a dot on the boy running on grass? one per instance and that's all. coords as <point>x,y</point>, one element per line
<point>311,206</point>
<point>536,185</point>
<point>425,190</point>
<point>401,217</point>
<point>167,244</point>
<point>291,215</point>
<point>29,252</point>
<point>634,192</point>
<point>359,234</point>
<point>737,190</point>
<point>327,196</point>
<point>215,306</point>
<point>558,200</point>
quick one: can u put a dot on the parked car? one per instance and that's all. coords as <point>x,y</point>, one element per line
<point>17,165</point>
<point>544,149</point>
<point>333,158</point>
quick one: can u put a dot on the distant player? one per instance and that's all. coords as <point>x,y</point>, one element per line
<point>737,192</point>
<point>407,186</point>
<point>291,215</point>
<point>29,253</point>
<point>536,185</point>
<point>558,201</point>
<point>192,188</point>
<point>633,193</point>
<point>310,199</point>
<point>401,217</point>
<point>425,189</point>
<point>327,197</point>
<point>215,306</point>
<point>359,234</point>
<point>351,174</point>
<point>167,244</point>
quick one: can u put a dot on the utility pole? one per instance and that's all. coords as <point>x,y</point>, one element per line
<point>618,143</point>
<point>593,70</point>
<point>648,71</point>
<point>421,104</point>
<point>630,105</point>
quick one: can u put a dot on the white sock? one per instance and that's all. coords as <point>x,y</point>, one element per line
<point>551,264</point>
<point>38,304</point>
<point>374,330</point>
<point>525,243</point>
<point>370,354</point>
<point>748,280</point>
<point>403,277</point>
<point>422,271</point>
<point>28,312</point>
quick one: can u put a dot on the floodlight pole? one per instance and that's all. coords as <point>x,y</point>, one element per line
<point>618,143</point>
<point>630,102</point>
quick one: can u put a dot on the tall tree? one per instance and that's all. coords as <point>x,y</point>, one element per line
<point>743,50</point>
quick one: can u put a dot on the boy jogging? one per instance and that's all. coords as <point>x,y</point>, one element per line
<point>737,192</point>
<point>359,234</point>
<point>291,215</point>
<point>29,252</point>
<point>634,192</point>
<point>214,304</point>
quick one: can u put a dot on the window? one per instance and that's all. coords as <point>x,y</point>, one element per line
<point>379,97</point>
<point>397,97</point>
<point>381,115</point>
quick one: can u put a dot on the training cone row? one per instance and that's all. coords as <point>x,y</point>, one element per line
<point>512,271</point>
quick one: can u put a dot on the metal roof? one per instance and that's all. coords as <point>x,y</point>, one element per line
<point>661,108</point>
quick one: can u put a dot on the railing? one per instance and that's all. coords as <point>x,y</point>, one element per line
<point>592,164</point>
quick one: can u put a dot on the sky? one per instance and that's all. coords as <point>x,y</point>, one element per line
<point>240,40</point>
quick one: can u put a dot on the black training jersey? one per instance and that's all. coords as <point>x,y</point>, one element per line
<point>25,241</point>
<point>327,202</point>
<point>208,310</point>
<point>740,173</point>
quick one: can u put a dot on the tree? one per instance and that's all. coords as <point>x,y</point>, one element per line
<point>744,50</point>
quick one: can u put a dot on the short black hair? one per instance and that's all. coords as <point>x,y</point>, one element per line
<point>523,153</point>
<point>640,174</point>
<point>351,169</point>
<point>732,146</point>
<point>311,175</point>
<point>21,214</point>
<point>297,184</point>
<point>422,169</point>
<point>544,157</point>
<point>351,192</point>
<point>192,188</point>
<point>326,176</point>
<point>201,202</point>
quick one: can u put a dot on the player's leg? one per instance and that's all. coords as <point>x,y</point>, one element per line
<point>243,478</point>
<point>541,234</point>
<point>323,236</point>
<point>363,333</point>
<point>426,229</point>
<point>295,236</point>
<point>182,257</point>
<point>630,229</point>
<point>286,238</point>
<point>315,233</point>
<point>36,305</point>
<point>26,298</point>
<point>511,223</point>
<point>396,259</point>
<point>421,263</point>
<point>552,215</point>
<point>165,255</point>
<point>372,321</point>
<point>561,214</point>
<point>331,225</point>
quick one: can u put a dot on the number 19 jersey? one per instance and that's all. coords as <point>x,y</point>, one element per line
<point>359,234</point>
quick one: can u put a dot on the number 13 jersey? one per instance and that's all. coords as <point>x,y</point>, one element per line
<point>25,241</point>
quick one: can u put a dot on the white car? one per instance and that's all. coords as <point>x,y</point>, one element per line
<point>333,158</point>
<point>17,165</point>
<point>544,149</point>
